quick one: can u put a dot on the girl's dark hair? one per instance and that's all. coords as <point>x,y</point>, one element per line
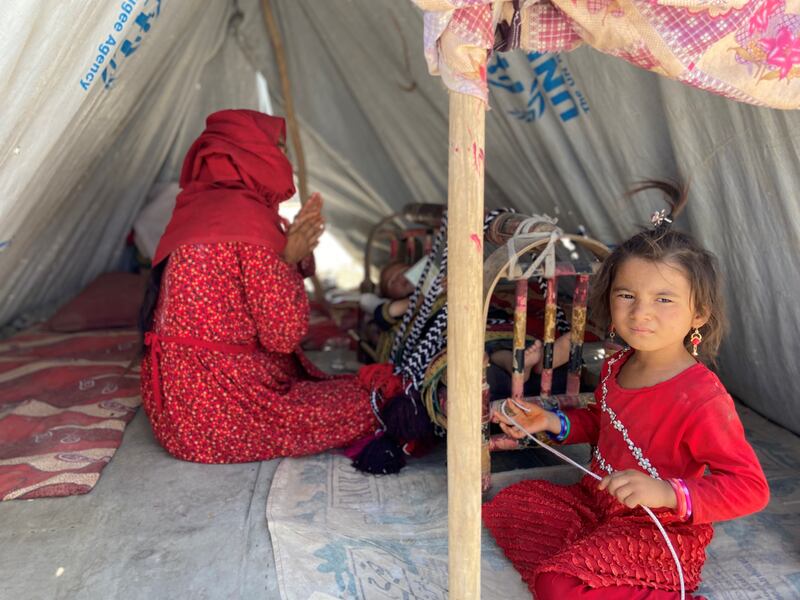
<point>663,244</point>
<point>149,302</point>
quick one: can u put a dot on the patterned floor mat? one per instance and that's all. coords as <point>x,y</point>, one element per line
<point>64,402</point>
<point>337,533</point>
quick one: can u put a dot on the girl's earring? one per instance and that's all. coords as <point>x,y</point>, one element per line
<point>612,334</point>
<point>695,340</point>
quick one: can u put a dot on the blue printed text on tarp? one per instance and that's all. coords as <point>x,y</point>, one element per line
<point>547,82</point>
<point>111,51</point>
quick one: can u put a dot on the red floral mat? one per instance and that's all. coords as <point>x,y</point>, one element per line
<point>64,402</point>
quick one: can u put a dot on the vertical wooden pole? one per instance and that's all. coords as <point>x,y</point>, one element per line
<point>465,333</point>
<point>288,100</point>
<point>291,123</point>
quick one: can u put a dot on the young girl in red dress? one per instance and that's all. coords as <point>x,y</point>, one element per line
<point>665,434</point>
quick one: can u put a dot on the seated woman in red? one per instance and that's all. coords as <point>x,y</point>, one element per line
<point>223,378</point>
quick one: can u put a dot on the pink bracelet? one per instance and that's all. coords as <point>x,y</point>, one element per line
<point>680,497</point>
<point>688,498</point>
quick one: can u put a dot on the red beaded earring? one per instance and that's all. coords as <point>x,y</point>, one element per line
<point>695,340</point>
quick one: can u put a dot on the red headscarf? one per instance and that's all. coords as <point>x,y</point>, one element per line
<point>233,178</point>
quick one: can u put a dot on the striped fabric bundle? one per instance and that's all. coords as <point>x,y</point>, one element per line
<point>411,355</point>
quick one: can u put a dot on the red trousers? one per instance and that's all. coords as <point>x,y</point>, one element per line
<point>557,586</point>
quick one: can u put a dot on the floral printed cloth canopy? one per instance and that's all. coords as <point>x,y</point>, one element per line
<point>746,50</point>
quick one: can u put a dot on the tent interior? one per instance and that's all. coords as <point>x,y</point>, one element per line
<point>88,147</point>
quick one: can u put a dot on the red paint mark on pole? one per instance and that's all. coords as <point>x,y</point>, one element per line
<point>477,241</point>
<point>477,155</point>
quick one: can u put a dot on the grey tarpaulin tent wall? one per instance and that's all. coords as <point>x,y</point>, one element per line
<point>741,160</point>
<point>76,163</point>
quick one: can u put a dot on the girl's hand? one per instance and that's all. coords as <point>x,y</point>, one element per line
<point>633,488</point>
<point>534,421</point>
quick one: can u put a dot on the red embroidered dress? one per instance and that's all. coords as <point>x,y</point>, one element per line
<point>676,428</point>
<point>220,406</point>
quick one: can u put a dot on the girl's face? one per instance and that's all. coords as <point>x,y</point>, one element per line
<point>651,305</point>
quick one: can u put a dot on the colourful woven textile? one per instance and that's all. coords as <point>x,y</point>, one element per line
<point>746,50</point>
<point>64,404</point>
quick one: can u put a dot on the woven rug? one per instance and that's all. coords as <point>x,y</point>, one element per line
<point>64,402</point>
<point>338,533</point>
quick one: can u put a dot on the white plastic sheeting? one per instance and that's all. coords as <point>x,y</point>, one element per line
<point>77,155</point>
<point>566,136</point>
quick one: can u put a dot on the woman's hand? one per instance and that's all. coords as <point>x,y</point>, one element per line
<point>304,233</point>
<point>312,206</point>
<point>634,488</point>
<point>535,420</point>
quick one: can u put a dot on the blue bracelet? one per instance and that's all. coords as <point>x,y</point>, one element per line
<point>565,426</point>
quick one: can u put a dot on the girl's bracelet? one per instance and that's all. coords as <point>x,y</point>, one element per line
<point>687,498</point>
<point>680,496</point>
<point>565,426</point>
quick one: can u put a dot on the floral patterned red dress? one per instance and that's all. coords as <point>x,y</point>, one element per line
<point>230,383</point>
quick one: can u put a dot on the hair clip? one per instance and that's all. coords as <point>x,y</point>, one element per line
<point>660,217</point>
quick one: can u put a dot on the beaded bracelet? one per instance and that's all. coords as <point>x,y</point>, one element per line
<point>565,426</point>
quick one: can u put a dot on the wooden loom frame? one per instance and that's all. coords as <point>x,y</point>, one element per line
<point>496,268</point>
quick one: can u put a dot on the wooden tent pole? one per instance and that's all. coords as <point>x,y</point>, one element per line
<point>465,332</point>
<point>288,100</point>
<point>291,121</point>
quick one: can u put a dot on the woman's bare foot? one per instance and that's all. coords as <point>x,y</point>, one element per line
<point>533,358</point>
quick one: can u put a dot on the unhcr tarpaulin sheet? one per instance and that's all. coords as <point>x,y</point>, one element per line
<point>566,135</point>
<point>94,95</point>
